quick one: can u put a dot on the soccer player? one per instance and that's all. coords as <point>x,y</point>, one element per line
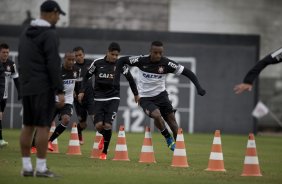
<point>106,97</point>
<point>86,107</point>
<point>10,72</point>
<point>39,78</point>
<point>247,85</point>
<point>70,73</point>
<point>151,86</point>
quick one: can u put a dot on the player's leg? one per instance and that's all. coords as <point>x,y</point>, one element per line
<point>110,115</point>
<point>151,109</point>
<point>64,117</point>
<point>2,107</point>
<point>81,113</point>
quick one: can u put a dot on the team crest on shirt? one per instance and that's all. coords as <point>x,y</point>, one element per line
<point>8,68</point>
<point>75,74</point>
<point>161,69</point>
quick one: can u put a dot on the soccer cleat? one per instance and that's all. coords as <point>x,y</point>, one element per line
<point>27,173</point>
<point>170,143</point>
<point>3,143</point>
<point>101,143</point>
<point>33,150</point>
<point>45,174</point>
<point>103,156</point>
<point>81,140</point>
<point>50,146</point>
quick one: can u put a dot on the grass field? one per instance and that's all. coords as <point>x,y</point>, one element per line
<point>83,169</point>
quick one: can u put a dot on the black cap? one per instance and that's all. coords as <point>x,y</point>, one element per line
<point>50,6</point>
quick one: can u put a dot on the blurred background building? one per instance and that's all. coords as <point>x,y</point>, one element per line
<point>261,17</point>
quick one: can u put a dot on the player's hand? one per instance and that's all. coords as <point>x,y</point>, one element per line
<point>137,99</point>
<point>61,100</point>
<point>242,87</point>
<point>201,92</point>
<point>80,97</point>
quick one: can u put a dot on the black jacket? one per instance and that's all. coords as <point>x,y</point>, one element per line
<point>39,61</point>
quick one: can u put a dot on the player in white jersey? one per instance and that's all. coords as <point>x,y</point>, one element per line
<point>151,87</point>
<point>70,73</point>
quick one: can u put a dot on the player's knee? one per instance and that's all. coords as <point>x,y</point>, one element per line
<point>65,120</point>
<point>99,126</point>
<point>108,126</point>
<point>83,125</point>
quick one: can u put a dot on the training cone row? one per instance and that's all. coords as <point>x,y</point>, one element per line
<point>147,151</point>
<point>55,142</point>
<point>95,150</point>
<point>251,163</point>
<point>121,152</point>
<point>179,154</point>
<point>74,146</point>
<point>216,156</point>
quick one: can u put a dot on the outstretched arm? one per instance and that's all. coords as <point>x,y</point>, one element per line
<point>250,77</point>
<point>188,73</point>
<point>132,84</point>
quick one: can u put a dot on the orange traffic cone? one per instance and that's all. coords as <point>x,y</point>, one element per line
<point>251,163</point>
<point>147,151</point>
<point>216,156</point>
<point>74,146</point>
<point>121,148</point>
<point>95,151</point>
<point>179,155</point>
<point>55,142</point>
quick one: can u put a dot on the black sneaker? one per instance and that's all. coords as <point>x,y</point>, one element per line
<point>46,174</point>
<point>27,173</point>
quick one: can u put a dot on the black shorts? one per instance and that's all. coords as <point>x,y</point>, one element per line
<point>67,109</point>
<point>105,111</point>
<point>3,103</point>
<point>84,109</point>
<point>161,102</point>
<point>38,109</point>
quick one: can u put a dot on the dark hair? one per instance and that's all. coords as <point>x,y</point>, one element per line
<point>78,48</point>
<point>4,46</point>
<point>157,43</point>
<point>114,47</point>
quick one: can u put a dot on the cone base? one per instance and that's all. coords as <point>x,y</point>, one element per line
<point>251,174</point>
<point>118,159</point>
<point>210,169</point>
<point>147,162</point>
<point>73,153</point>
<point>180,165</point>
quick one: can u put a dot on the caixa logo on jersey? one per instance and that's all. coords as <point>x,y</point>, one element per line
<point>172,65</point>
<point>152,76</point>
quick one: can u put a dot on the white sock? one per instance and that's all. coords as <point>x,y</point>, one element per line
<point>27,166</point>
<point>41,165</point>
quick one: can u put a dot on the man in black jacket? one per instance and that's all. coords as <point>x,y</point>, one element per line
<point>247,85</point>
<point>10,72</point>
<point>40,79</point>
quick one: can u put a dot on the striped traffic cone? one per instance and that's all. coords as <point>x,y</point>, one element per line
<point>74,146</point>
<point>96,151</point>
<point>55,141</point>
<point>147,151</point>
<point>216,156</point>
<point>251,162</point>
<point>121,148</point>
<point>179,153</point>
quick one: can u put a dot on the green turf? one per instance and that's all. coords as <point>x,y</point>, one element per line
<point>83,169</point>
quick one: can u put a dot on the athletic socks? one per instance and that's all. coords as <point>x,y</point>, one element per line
<point>107,138</point>
<point>165,133</point>
<point>27,166</point>
<point>1,130</point>
<point>41,164</point>
<point>59,129</point>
